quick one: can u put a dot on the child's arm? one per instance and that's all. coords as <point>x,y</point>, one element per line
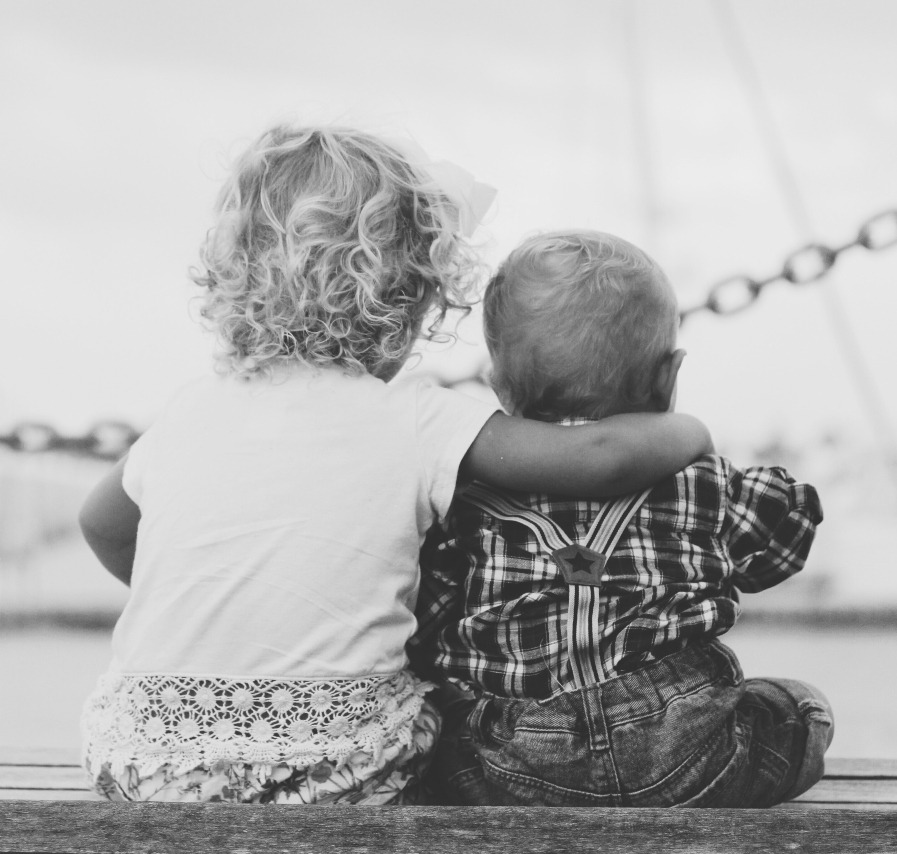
<point>614,456</point>
<point>108,521</point>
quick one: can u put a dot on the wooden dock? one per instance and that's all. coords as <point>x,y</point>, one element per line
<point>46,806</point>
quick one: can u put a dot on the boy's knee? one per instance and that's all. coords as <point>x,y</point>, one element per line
<point>814,707</point>
<point>806,707</point>
<point>816,711</point>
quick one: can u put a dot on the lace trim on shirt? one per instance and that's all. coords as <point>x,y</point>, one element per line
<point>189,721</point>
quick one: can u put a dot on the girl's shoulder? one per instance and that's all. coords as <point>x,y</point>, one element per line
<point>428,393</point>
<point>440,412</point>
<point>198,384</point>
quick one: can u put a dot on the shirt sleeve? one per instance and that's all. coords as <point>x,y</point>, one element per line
<point>770,525</point>
<point>135,468</point>
<point>447,423</point>
<point>143,454</point>
<point>137,465</point>
<point>440,600</point>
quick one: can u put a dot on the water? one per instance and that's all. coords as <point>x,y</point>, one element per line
<point>46,672</point>
<point>853,666</point>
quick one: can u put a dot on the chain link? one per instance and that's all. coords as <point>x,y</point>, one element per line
<point>108,440</point>
<point>807,264</point>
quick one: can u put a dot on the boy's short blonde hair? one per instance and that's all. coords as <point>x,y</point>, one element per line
<point>577,323</point>
<point>329,248</point>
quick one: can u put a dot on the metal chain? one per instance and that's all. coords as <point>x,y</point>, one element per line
<point>107,440</point>
<point>800,268</point>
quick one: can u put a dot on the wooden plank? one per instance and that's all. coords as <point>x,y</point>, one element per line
<point>17,755</point>
<point>821,798</point>
<point>834,767</point>
<point>101,828</point>
<point>848,782</point>
<point>828,805</point>
<point>841,767</point>
<point>875,791</point>
<point>49,795</point>
<point>42,777</point>
<point>64,779</point>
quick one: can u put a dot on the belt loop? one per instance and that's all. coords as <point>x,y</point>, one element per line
<point>593,711</point>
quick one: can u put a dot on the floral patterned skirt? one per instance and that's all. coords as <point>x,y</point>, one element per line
<point>131,756</point>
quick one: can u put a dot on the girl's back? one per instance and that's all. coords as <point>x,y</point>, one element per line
<point>281,522</point>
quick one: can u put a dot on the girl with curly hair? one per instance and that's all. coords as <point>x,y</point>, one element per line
<point>269,521</point>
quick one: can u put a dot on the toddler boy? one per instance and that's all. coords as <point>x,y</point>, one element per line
<point>577,640</point>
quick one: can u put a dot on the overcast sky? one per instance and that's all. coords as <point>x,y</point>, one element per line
<point>639,118</point>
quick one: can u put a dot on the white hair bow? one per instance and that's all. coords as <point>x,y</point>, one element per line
<point>472,198</point>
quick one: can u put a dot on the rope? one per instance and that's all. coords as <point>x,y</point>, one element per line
<point>782,168</point>
<point>641,131</point>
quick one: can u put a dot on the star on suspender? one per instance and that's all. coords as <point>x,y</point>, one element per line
<point>580,565</point>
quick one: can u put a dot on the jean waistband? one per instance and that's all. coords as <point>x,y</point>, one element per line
<point>650,688</point>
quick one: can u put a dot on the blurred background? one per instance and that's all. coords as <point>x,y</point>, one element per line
<point>721,135</point>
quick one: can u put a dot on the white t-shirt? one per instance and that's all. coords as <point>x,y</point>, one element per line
<point>281,522</point>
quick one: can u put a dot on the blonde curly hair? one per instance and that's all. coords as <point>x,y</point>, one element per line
<point>329,248</point>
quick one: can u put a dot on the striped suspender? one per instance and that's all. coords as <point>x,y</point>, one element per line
<point>581,563</point>
<point>583,628</point>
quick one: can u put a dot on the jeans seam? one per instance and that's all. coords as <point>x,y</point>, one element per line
<point>712,791</point>
<point>663,780</point>
<point>538,783</point>
<point>682,695</point>
<point>813,710</point>
<point>761,746</point>
<point>541,730</point>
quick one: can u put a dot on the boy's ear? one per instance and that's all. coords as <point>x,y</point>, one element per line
<point>664,386</point>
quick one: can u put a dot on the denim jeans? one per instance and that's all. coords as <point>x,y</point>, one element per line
<point>687,730</point>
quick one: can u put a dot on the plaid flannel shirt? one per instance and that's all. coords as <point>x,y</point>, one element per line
<point>493,605</point>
